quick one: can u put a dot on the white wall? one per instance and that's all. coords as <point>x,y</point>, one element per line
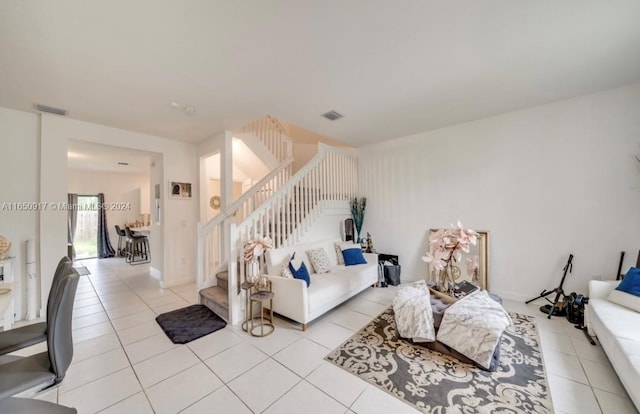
<point>327,226</point>
<point>174,236</point>
<point>19,169</point>
<point>117,188</point>
<point>545,182</point>
<point>302,154</point>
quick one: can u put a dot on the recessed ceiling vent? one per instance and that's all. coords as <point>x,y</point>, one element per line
<point>123,163</point>
<point>51,109</point>
<point>332,115</point>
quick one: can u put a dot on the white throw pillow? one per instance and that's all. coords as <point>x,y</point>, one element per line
<point>319,260</point>
<point>625,299</point>
<point>339,246</point>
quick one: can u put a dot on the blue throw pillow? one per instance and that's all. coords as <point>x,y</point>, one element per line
<point>353,257</point>
<point>301,272</point>
<point>631,282</point>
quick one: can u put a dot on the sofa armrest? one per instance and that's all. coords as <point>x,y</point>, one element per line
<point>290,298</point>
<point>371,257</point>
<point>600,289</point>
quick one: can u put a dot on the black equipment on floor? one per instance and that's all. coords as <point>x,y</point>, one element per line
<point>619,272</point>
<point>575,308</point>
<point>557,307</point>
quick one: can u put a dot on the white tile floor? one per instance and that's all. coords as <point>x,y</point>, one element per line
<point>123,362</point>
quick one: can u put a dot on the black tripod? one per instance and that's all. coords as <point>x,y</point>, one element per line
<point>559,291</point>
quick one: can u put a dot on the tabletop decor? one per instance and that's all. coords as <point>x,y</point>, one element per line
<point>446,247</point>
<point>358,206</point>
<point>253,249</point>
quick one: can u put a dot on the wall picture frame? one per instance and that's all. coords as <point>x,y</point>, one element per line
<point>180,190</point>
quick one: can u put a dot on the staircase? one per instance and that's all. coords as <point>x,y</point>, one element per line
<point>216,297</point>
<point>280,206</point>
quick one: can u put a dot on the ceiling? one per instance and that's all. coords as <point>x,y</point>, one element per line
<point>83,155</point>
<point>391,68</point>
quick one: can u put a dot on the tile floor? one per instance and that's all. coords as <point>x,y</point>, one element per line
<point>123,362</point>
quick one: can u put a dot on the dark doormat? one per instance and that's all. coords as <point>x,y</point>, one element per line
<point>186,324</point>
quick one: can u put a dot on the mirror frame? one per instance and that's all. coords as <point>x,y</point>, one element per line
<point>482,246</point>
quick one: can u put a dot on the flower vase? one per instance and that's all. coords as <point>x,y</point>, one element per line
<point>445,279</point>
<point>253,270</point>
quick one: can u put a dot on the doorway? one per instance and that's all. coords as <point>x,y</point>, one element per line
<point>85,239</point>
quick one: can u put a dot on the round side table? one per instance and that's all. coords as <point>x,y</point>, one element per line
<point>259,325</point>
<point>246,286</point>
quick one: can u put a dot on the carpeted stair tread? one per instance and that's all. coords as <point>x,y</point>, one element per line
<point>216,299</point>
<point>223,280</point>
<point>216,294</point>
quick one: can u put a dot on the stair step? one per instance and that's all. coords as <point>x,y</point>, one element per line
<point>216,299</point>
<point>223,280</point>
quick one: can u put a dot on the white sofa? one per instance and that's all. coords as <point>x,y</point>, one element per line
<point>303,304</point>
<point>618,330</point>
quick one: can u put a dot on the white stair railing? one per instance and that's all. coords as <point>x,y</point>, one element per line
<point>214,236</point>
<point>329,178</point>
<point>280,206</point>
<point>273,136</point>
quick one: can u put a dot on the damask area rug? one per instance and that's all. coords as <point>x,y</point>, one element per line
<point>186,324</point>
<point>437,383</point>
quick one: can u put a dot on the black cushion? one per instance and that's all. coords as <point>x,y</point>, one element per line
<point>31,406</point>
<point>25,373</point>
<point>18,338</point>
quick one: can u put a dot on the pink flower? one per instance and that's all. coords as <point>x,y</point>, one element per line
<point>448,244</point>
<point>473,263</point>
<point>255,247</point>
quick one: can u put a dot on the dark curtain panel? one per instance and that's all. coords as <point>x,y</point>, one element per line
<point>72,220</point>
<point>104,245</point>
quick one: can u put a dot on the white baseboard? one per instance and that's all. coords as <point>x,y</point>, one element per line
<point>176,282</point>
<point>155,273</point>
<point>516,297</point>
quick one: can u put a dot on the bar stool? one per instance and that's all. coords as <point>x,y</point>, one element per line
<point>137,245</point>
<point>260,297</point>
<point>121,234</point>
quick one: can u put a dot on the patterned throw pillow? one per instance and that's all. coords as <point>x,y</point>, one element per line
<point>319,260</point>
<point>286,273</point>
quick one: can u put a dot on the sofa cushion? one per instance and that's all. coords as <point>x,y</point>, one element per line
<point>625,299</point>
<point>325,289</point>
<point>631,282</point>
<point>617,320</point>
<point>319,260</point>
<point>353,256</point>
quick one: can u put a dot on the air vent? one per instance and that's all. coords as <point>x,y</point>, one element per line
<point>51,109</point>
<point>332,115</point>
<point>123,163</point>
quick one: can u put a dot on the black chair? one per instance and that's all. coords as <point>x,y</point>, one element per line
<point>46,368</point>
<point>121,234</point>
<point>137,245</point>
<point>25,336</point>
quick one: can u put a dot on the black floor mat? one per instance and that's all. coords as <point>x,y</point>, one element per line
<point>186,324</point>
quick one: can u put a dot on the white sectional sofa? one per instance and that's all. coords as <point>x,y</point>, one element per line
<point>303,304</point>
<point>618,330</point>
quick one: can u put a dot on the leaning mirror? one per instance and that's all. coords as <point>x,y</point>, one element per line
<point>473,266</point>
